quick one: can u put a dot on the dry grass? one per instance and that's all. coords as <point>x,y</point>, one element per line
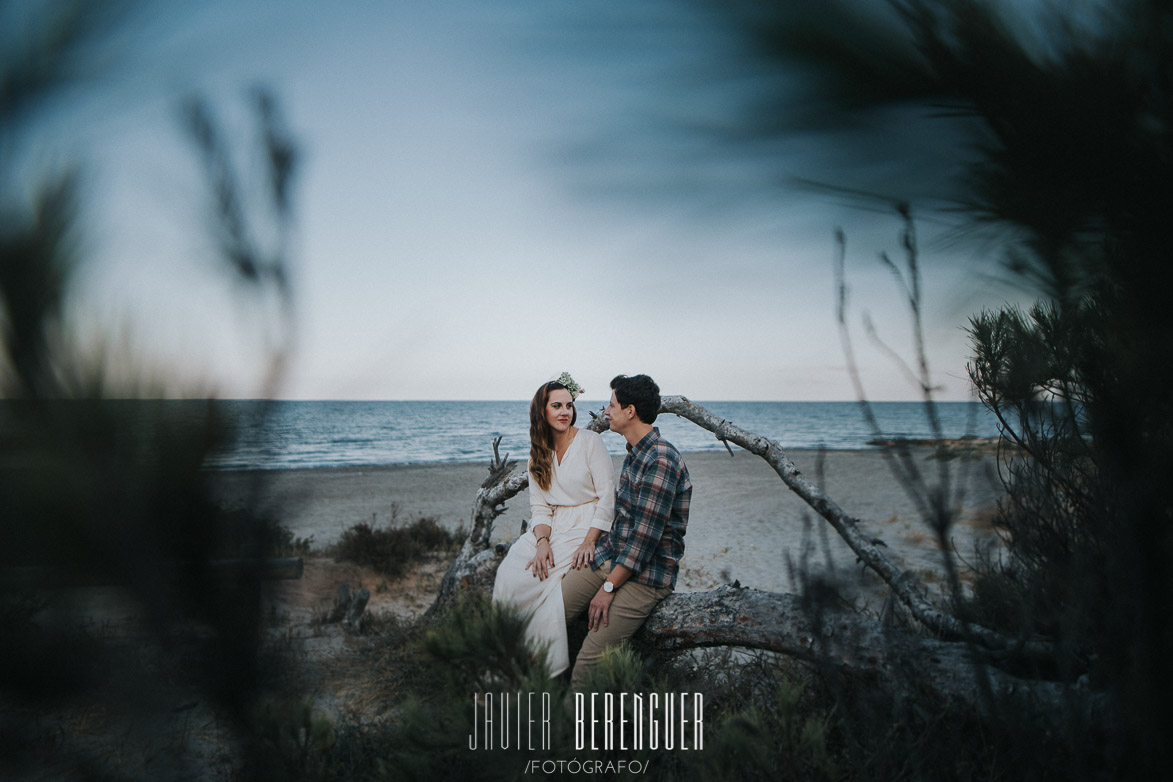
<point>343,668</point>
<point>343,676</point>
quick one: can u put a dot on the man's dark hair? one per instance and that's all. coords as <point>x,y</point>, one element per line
<point>641,391</point>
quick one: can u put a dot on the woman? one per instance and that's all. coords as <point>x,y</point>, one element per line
<point>572,502</point>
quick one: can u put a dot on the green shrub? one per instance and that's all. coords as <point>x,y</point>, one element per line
<point>390,550</point>
<point>481,645</point>
<point>242,532</point>
<point>291,741</point>
<point>474,647</point>
<point>283,543</point>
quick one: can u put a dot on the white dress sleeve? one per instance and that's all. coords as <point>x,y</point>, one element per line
<point>603,475</point>
<point>541,511</point>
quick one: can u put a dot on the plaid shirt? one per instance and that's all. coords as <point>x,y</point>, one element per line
<point>651,513</point>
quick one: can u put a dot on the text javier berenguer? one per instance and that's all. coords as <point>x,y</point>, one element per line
<point>502,712</point>
<point>608,720</point>
<point>637,720</point>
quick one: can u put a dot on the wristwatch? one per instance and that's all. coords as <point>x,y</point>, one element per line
<point>608,587</point>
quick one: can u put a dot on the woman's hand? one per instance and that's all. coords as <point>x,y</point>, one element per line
<point>583,555</point>
<point>543,560</point>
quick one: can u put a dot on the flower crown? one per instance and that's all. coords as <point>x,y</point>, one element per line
<point>574,388</point>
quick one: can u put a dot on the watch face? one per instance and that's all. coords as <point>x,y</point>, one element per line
<point>608,587</point>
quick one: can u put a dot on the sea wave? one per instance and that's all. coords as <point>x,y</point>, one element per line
<point>277,435</point>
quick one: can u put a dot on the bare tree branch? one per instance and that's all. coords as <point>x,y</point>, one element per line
<point>902,583</point>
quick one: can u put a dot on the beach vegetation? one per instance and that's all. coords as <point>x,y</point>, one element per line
<point>274,539</point>
<point>761,723</point>
<point>284,543</point>
<point>482,645</point>
<point>428,672</point>
<point>392,549</point>
<point>293,740</point>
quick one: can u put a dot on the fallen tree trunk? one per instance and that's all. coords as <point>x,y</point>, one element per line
<point>858,647</point>
<point>770,621</point>
<point>892,660</point>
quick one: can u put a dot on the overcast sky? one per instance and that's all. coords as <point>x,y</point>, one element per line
<point>491,193</point>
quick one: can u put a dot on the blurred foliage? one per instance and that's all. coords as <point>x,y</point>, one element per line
<point>293,741</point>
<point>100,485</point>
<point>1066,121</point>
<point>770,738</point>
<point>1087,519</point>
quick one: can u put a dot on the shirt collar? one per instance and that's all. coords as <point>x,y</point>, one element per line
<point>646,441</point>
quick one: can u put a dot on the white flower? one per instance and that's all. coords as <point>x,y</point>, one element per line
<point>574,388</point>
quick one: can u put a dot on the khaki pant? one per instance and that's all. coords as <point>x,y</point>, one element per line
<point>630,606</point>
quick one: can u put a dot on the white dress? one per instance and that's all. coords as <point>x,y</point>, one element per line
<point>581,496</point>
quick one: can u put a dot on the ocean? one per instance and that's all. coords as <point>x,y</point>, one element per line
<point>288,434</point>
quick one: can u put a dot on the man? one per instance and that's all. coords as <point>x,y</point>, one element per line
<point>636,562</point>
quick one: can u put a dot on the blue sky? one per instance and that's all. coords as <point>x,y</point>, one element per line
<point>490,194</point>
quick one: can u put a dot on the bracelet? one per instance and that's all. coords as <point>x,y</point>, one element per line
<point>543,537</point>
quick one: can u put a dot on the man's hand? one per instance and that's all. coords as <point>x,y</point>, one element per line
<point>598,609</point>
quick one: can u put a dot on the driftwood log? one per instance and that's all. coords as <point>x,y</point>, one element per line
<point>350,607</point>
<point>476,564</point>
<point>856,647</point>
<point>960,664</point>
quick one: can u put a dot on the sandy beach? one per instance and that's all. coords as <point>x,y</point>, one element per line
<point>745,524</point>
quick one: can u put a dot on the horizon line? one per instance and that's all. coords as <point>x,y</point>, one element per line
<point>525,401</point>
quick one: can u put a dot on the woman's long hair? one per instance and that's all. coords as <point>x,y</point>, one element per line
<point>541,436</point>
